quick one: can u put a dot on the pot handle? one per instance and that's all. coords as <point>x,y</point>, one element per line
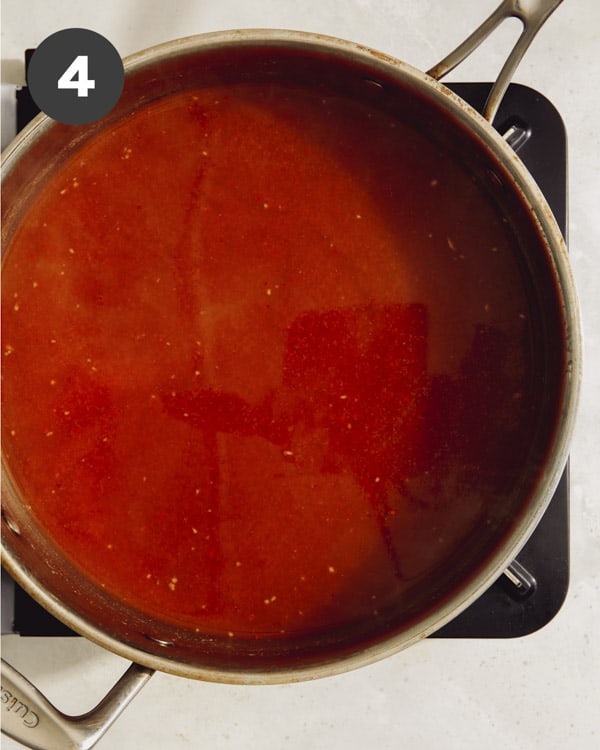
<point>29,718</point>
<point>532,13</point>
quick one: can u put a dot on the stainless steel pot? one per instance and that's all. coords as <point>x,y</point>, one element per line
<point>39,568</point>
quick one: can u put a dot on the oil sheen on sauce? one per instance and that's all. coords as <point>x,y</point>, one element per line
<point>260,372</point>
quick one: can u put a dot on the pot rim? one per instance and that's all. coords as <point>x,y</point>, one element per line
<point>522,182</point>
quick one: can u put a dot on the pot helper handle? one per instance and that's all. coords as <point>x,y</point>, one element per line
<point>29,718</point>
<point>532,13</point>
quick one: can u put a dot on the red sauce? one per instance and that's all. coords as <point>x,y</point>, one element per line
<point>261,372</point>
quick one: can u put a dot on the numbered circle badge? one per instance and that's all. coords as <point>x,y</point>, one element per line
<point>75,76</point>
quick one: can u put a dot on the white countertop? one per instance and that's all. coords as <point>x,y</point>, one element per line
<point>541,691</point>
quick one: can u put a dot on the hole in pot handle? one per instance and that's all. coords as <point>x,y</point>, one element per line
<point>532,13</point>
<point>29,718</point>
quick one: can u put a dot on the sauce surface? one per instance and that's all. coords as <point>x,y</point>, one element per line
<point>261,374</point>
